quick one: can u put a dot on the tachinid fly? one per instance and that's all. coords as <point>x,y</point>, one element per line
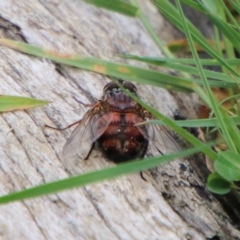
<point>110,125</point>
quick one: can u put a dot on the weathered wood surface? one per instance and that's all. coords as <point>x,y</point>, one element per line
<point>172,204</point>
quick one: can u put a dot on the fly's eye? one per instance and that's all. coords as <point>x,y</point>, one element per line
<point>109,87</point>
<point>131,87</point>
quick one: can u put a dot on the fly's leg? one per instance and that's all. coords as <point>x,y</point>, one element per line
<point>85,104</point>
<point>86,158</point>
<point>61,129</point>
<point>143,178</point>
<point>143,154</point>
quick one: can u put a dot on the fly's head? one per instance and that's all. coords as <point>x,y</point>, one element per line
<point>116,98</point>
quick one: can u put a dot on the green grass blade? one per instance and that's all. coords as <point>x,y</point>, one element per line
<point>209,122</point>
<point>10,103</point>
<point>189,69</point>
<point>159,61</point>
<point>192,4</point>
<point>122,71</point>
<point>117,6</point>
<point>93,177</point>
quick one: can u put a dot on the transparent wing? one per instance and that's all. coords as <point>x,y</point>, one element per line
<point>88,130</point>
<point>160,140</point>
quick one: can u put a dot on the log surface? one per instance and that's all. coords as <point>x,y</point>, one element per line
<point>172,204</point>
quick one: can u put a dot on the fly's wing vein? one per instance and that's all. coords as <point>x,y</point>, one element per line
<point>165,140</point>
<point>89,129</point>
<point>82,135</point>
<point>158,136</point>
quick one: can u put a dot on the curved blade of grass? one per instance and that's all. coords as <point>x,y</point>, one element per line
<point>189,69</point>
<point>117,6</point>
<point>209,122</point>
<point>123,71</point>
<point>10,103</point>
<point>193,4</point>
<point>93,177</point>
<point>159,61</point>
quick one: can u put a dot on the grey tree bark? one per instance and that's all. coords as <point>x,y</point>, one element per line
<point>172,204</point>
